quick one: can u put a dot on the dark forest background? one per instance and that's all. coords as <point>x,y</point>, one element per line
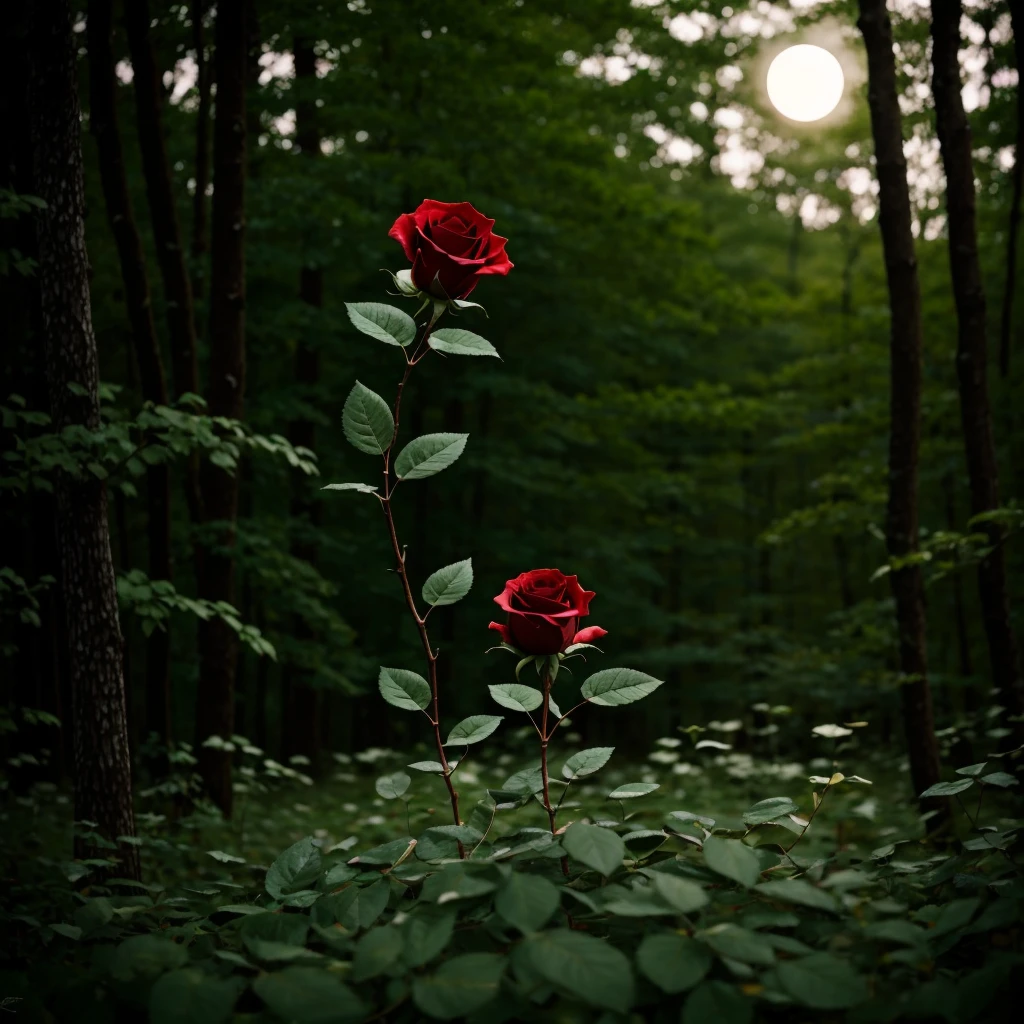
<point>691,413</point>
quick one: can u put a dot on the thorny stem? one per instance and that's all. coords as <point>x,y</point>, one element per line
<point>545,736</point>
<point>434,715</point>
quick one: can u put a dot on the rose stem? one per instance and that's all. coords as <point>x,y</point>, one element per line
<point>421,622</point>
<point>544,737</point>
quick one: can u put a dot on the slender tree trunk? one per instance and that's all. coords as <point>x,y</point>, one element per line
<point>1017,179</point>
<point>905,396</point>
<point>301,700</point>
<point>972,349</point>
<point>103,121</point>
<point>200,241</point>
<point>103,783</point>
<point>163,213</point>
<point>215,713</point>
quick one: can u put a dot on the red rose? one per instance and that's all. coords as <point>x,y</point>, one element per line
<point>451,246</point>
<point>544,611</point>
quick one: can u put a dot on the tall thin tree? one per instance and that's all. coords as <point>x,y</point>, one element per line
<point>163,214</point>
<point>905,348</point>
<point>104,124</point>
<point>103,785</point>
<point>954,133</point>
<point>301,733</point>
<point>1016,194</point>
<point>215,711</point>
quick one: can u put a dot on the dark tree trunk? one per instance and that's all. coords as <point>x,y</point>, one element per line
<point>160,192</point>
<point>1017,178</point>
<point>904,397</point>
<point>103,783</point>
<point>163,214</point>
<point>301,700</point>
<point>200,241</point>
<point>103,122</point>
<point>972,348</point>
<point>215,713</point>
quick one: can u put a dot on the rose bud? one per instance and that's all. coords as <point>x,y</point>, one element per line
<point>544,610</point>
<point>451,246</point>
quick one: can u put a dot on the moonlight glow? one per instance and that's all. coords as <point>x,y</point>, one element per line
<point>805,83</point>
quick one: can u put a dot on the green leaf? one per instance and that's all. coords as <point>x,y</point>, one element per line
<point>679,893</point>
<point>275,936</point>
<point>308,995</point>
<point>632,790</point>
<point>146,956</point>
<point>822,982</point>
<point>391,787</point>
<point>517,696</point>
<point>426,933</point>
<point>736,943</point>
<point>596,847</point>
<point>377,951</point>
<point>797,891</point>
<point>527,901</point>
<point>768,810</point>
<point>353,908</point>
<point>719,1002</point>
<point>385,854</point>
<point>615,686</point>
<point>526,781</point>
<point>404,689</point>
<point>588,967</point>
<point>973,770</point>
<point>434,767</point>
<point>385,323</point>
<point>586,762</point>
<point>673,962</point>
<point>644,842</point>
<point>297,868</point>
<point>473,730</point>
<point>458,342</point>
<point>428,455</point>
<point>729,857</point>
<point>362,488</point>
<point>367,421</point>
<point>192,996</point>
<point>460,986</point>
<point>1002,779</point>
<point>450,584</point>
<point>948,788</point>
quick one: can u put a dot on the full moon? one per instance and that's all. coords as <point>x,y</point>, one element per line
<point>805,83</point>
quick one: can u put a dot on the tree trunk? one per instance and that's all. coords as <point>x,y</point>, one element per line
<point>103,122</point>
<point>972,349</point>
<point>301,734</point>
<point>103,784</point>
<point>163,212</point>
<point>904,398</point>
<point>215,714</point>
<point>1017,179</point>
<point>200,242</point>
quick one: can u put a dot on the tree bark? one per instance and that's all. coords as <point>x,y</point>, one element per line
<point>103,122</point>
<point>103,784</point>
<point>200,240</point>
<point>954,133</point>
<point>215,713</point>
<point>1017,179</point>
<point>301,700</point>
<point>904,399</point>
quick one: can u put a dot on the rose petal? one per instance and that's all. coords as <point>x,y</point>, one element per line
<point>589,635</point>
<point>403,231</point>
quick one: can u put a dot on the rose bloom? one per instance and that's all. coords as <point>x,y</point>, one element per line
<point>451,246</point>
<point>544,610</point>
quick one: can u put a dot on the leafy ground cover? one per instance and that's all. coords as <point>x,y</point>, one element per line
<point>688,886</point>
